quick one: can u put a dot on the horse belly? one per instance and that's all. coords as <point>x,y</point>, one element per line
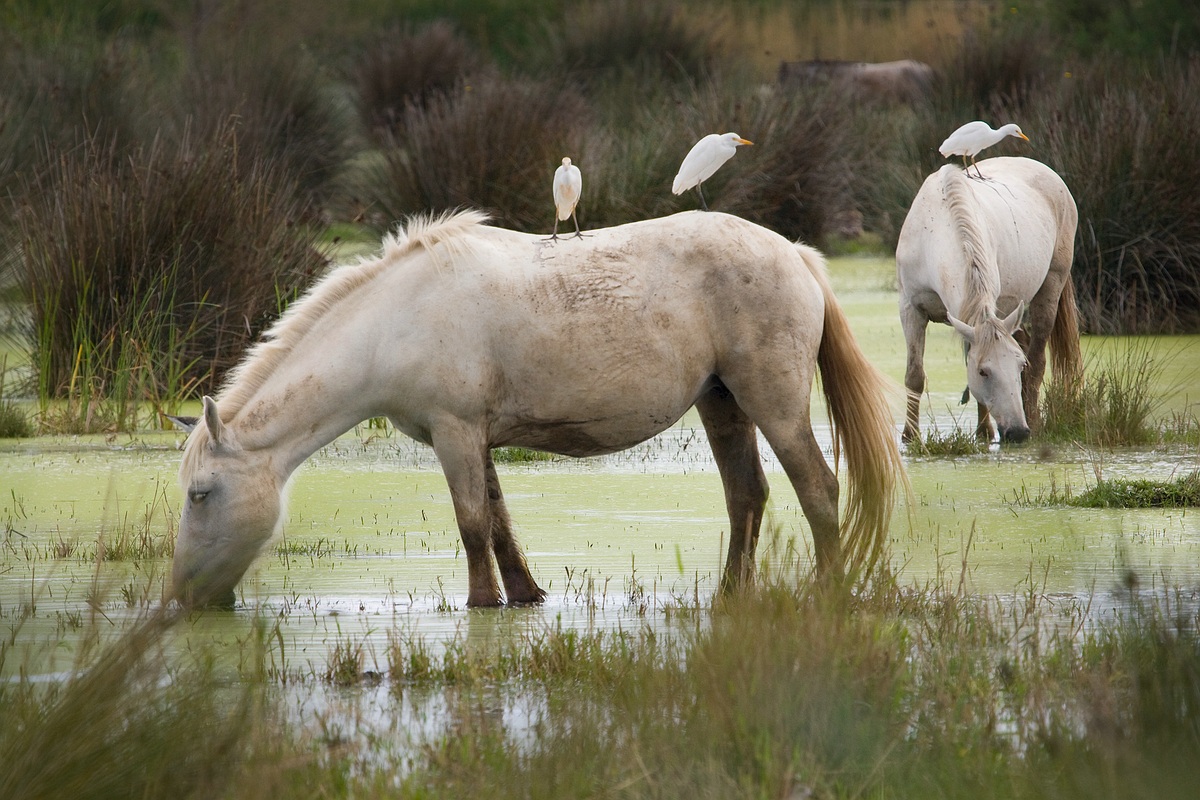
<point>602,399</point>
<point>580,438</point>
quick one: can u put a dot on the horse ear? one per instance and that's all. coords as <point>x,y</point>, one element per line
<point>964,330</point>
<point>1013,320</point>
<point>212,420</point>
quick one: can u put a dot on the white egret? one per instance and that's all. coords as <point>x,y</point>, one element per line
<point>568,186</point>
<point>975,136</point>
<point>705,158</point>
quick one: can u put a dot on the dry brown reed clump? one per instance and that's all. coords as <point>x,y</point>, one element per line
<point>596,43</point>
<point>492,145</point>
<point>148,271</point>
<point>406,66</point>
<point>1127,141</point>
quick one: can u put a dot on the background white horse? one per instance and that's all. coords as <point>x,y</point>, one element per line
<point>979,254</point>
<point>469,337</point>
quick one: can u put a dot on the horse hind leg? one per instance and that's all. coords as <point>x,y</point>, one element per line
<point>817,489</point>
<point>734,442</point>
<point>519,585</point>
<point>1042,319</point>
<point>1034,348</point>
<point>783,416</point>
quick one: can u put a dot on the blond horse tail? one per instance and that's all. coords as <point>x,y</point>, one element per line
<point>863,430</point>
<point>1065,354</point>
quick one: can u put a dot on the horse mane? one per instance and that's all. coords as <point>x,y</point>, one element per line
<point>424,232</point>
<point>983,274</point>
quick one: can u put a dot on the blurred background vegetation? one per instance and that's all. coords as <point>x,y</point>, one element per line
<point>172,172</point>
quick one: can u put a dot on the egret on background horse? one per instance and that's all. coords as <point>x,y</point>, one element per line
<point>993,259</point>
<point>469,337</point>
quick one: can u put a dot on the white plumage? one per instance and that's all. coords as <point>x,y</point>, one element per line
<point>704,159</point>
<point>974,137</point>
<point>568,186</point>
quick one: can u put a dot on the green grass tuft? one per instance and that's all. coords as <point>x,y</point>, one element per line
<point>1113,407</point>
<point>1179,492</point>
<point>957,442</point>
<point>14,422</point>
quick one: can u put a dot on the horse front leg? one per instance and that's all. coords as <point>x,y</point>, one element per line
<point>734,443</point>
<point>519,585</point>
<point>913,322</point>
<point>464,462</point>
<point>983,428</point>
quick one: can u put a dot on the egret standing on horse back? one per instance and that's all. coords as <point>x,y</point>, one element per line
<point>568,186</point>
<point>469,337</point>
<point>704,159</point>
<point>994,261</point>
<point>974,137</point>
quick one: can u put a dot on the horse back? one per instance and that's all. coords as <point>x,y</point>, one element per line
<point>1020,215</point>
<point>591,345</point>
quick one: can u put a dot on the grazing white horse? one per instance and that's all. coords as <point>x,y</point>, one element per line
<point>979,254</point>
<point>469,337</point>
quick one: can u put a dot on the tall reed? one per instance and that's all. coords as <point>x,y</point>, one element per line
<point>1126,140</point>
<point>147,274</point>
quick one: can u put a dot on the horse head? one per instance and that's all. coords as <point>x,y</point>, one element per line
<point>232,506</point>
<point>995,361</point>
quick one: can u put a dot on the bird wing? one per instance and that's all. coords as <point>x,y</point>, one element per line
<point>701,162</point>
<point>568,184</point>
<point>968,140</point>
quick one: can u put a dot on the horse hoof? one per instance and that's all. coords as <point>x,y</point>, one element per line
<point>535,599</point>
<point>491,601</point>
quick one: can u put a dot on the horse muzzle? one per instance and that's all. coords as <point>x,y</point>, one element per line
<point>1014,435</point>
<point>197,588</point>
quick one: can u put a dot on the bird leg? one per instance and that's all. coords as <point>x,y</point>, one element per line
<point>554,236</point>
<point>700,188</point>
<point>578,233</point>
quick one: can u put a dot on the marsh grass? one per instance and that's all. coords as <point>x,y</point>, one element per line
<point>1043,496</point>
<point>145,535</point>
<point>147,273</point>
<point>611,39</point>
<point>124,723</point>
<point>1125,139</point>
<point>492,145</point>
<point>954,442</point>
<point>14,422</point>
<point>1182,427</point>
<point>347,663</point>
<point>787,689</point>
<point>1182,491</point>
<point>1115,404</point>
<point>409,66</point>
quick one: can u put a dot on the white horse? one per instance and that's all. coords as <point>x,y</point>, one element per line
<point>978,254</point>
<point>469,337</point>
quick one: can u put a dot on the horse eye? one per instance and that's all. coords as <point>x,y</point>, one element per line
<point>197,497</point>
<point>983,373</point>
